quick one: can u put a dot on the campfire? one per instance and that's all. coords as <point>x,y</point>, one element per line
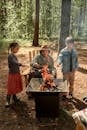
<point>47,77</point>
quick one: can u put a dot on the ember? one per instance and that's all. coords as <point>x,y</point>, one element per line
<point>47,77</point>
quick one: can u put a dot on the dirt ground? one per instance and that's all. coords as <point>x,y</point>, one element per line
<point>22,115</point>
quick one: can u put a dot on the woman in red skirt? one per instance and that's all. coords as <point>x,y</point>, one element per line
<point>14,84</point>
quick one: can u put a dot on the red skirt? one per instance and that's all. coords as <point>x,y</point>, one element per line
<point>14,84</point>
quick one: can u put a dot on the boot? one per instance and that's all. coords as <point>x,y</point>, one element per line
<point>8,101</point>
<point>15,99</point>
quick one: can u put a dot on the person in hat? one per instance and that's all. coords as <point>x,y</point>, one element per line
<point>39,61</point>
<point>68,59</point>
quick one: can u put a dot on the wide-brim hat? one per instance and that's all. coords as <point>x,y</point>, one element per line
<point>45,47</point>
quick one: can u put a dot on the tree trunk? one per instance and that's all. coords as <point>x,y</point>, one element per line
<point>48,18</point>
<point>65,22</point>
<point>36,31</point>
<point>3,15</point>
<point>80,21</point>
<point>29,20</point>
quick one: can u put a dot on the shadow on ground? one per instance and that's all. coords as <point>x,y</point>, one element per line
<point>19,116</point>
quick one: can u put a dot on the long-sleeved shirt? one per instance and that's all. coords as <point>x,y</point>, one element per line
<point>41,60</point>
<point>13,64</point>
<point>68,60</point>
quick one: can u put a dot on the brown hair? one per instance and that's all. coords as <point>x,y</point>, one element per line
<point>12,45</point>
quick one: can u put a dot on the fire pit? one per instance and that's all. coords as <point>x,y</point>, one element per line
<point>46,101</point>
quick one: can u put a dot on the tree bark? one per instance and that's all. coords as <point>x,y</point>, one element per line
<point>36,31</point>
<point>65,22</point>
<point>3,15</point>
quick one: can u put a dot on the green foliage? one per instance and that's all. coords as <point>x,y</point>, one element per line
<point>49,18</point>
<point>2,19</point>
<point>79,19</point>
<point>78,3</point>
<point>19,22</point>
<point>17,19</point>
<point>12,25</point>
<point>3,44</point>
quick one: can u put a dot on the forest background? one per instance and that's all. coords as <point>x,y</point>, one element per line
<point>34,23</point>
<point>18,19</point>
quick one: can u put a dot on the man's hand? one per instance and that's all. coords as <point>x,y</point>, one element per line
<point>36,65</point>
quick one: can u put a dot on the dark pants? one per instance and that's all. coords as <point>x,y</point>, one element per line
<point>35,74</point>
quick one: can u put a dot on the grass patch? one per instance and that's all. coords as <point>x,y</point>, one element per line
<point>4,43</point>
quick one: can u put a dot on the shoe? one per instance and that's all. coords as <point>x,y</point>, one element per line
<point>7,105</point>
<point>70,96</point>
<point>15,99</point>
<point>64,97</point>
<point>8,99</point>
<point>85,99</point>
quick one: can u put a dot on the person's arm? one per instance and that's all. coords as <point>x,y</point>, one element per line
<point>60,59</point>
<point>77,64</point>
<point>34,62</point>
<point>13,60</point>
<point>52,62</point>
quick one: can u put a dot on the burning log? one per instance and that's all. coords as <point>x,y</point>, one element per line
<point>47,77</point>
